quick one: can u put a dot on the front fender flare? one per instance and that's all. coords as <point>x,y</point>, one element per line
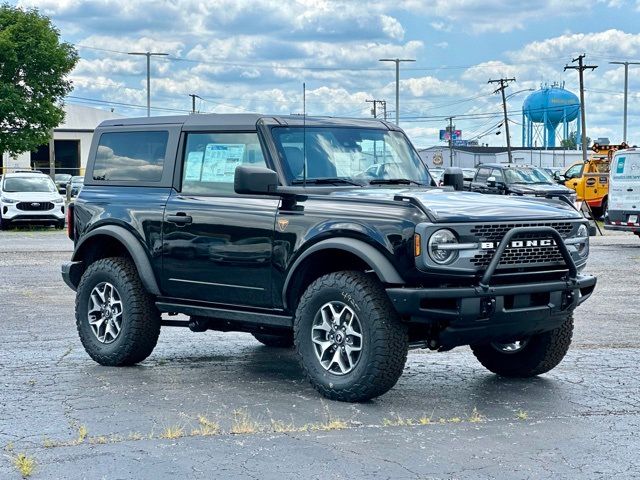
<point>380,264</point>
<point>135,249</point>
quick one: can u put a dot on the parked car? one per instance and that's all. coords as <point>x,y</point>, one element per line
<point>74,185</point>
<point>304,251</point>
<point>623,212</point>
<point>468,175</point>
<point>512,179</point>
<point>61,180</point>
<point>30,198</point>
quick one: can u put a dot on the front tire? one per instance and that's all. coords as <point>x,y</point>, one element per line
<point>528,357</point>
<point>116,318</point>
<point>349,338</point>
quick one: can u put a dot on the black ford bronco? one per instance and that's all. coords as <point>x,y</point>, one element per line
<point>326,234</point>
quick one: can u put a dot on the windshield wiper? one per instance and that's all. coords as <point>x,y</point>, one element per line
<point>325,181</point>
<point>394,181</point>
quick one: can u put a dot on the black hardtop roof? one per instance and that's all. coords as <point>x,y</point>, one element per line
<point>236,121</point>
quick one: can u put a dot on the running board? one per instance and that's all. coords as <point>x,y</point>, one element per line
<point>225,317</point>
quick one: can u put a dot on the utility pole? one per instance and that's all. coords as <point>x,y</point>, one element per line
<point>397,62</point>
<point>149,55</point>
<point>626,92</point>
<point>451,141</point>
<point>193,101</point>
<point>504,83</point>
<point>374,110</point>
<point>581,68</point>
<point>52,157</point>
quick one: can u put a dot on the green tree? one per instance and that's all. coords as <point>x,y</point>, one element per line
<point>34,65</point>
<point>571,143</point>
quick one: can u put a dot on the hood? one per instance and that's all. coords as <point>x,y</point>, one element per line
<point>450,206</point>
<point>32,196</point>
<point>540,189</point>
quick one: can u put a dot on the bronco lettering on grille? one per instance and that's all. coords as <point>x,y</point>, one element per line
<point>519,244</point>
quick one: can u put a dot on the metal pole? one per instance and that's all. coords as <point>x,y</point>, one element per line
<point>397,62</point>
<point>149,55</point>
<point>626,94</point>
<point>148,84</point>
<point>52,157</point>
<point>451,141</point>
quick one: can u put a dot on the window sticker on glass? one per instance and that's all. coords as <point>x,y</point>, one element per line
<point>220,161</point>
<point>193,171</point>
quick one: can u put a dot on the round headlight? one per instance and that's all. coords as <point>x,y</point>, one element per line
<point>437,246</point>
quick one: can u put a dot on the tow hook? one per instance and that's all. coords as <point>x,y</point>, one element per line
<point>567,299</point>
<point>487,307</point>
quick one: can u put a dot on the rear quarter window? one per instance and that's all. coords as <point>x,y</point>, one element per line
<point>131,156</point>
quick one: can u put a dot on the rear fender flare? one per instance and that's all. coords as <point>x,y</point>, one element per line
<point>133,246</point>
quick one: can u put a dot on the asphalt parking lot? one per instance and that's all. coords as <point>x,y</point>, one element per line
<point>221,405</point>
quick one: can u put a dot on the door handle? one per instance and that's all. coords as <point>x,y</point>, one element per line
<point>180,218</point>
<point>629,189</point>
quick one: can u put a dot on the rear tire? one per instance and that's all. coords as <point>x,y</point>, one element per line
<point>538,353</point>
<point>275,341</point>
<point>60,225</point>
<point>117,280</point>
<point>349,338</point>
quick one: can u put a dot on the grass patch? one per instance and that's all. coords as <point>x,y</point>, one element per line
<point>206,427</point>
<point>522,415</point>
<point>24,464</point>
<point>279,426</point>
<point>172,433</point>
<point>243,423</point>
<point>475,416</point>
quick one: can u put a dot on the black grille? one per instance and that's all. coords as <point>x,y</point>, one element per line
<point>520,256</point>
<point>34,206</point>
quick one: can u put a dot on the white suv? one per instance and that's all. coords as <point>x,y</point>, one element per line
<point>30,198</point>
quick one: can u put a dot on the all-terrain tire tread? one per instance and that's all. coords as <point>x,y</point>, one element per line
<point>142,316</point>
<point>550,349</point>
<point>389,337</point>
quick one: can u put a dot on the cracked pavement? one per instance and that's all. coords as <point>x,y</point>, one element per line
<point>581,419</point>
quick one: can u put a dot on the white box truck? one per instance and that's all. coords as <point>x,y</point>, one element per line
<point>624,192</point>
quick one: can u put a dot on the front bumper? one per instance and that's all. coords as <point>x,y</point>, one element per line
<point>489,312</point>
<point>506,312</point>
<point>11,213</point>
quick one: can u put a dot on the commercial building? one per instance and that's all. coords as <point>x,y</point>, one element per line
<point>469,157</point>
<point>72,140</point>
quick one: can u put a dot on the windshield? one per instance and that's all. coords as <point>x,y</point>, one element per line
<point>29,184</point>
<point>527,175</point>
<point>348,155</point>
<point>77,179</point>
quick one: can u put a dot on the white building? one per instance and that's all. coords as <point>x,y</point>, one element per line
<point>72,140</point>
<point>469,157</point>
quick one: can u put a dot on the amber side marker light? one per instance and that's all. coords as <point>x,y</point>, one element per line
<point>417,245</point>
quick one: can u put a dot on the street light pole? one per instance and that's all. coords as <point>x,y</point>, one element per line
<point>397,62</point>
<point>149,55</point>
<point>626,92</point>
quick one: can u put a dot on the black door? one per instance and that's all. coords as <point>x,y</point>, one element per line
<point>217,245</point>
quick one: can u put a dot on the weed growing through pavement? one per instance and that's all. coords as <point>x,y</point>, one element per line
<point>24,464</point>
<point>522,415</point>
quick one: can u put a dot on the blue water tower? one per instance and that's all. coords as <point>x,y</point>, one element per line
<point>544,110</point>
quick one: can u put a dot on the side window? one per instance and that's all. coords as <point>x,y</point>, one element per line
<point>575,171</point>
<point>131,156</point>
<point>482,175</point>
<point>210,161</point>
<point>497,174</point>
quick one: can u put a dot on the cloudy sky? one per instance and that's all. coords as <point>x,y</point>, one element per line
<point>254,55</point>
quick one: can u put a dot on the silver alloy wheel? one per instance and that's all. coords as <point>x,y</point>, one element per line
<point>336,334</point>
<point>105,312</point>
<point>513,347</point>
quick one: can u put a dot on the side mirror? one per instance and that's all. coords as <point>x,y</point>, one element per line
<point>491,181</point>
<point>453,177</point>
<point>255,181</point>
